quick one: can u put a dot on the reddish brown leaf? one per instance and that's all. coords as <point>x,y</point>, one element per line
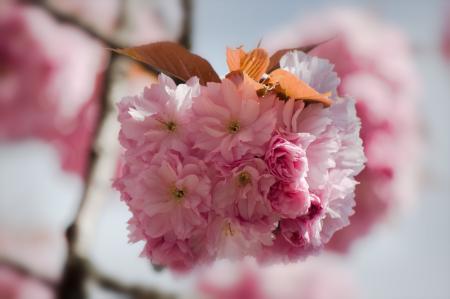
<point>290,86</point>
<point>275,58</point>
<point>173,60</point>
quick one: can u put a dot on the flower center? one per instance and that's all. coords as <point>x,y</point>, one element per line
<point>244,178</point>
<point>171,126</point>
<point>178,194</point>
<point>228,230</point>
<point>234,127</point>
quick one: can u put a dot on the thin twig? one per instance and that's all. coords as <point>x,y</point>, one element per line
<point>103,280</point>
<point>77,22</point>
<point>134,291</point>
<point>186,35</point>
<point>24,271</point>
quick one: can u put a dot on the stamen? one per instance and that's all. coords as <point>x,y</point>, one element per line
<point>228,231</point>
<point>244,178</point>
<point>234,127</point>
<point>178,194</point>
<point>171,126</point>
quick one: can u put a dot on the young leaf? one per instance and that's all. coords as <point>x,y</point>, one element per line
<point>290,86</point>
<point>253,63</point>
<point>275,58</point>
<point>173,60</point>
<point>238,77</point>
<point>234,58</point>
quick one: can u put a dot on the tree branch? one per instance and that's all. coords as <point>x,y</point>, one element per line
<point>24,271</point>
<point>69,19</point>
<point>133,291</point>
<point>186,35</point>
<point>102,279</point>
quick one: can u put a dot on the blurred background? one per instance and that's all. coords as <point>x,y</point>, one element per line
<point>57,79</point>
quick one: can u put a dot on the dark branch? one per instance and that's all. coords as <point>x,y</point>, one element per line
<point>24,271</point>
<point>186,35</point>
<point>69,19</point>
<point>133,291</point>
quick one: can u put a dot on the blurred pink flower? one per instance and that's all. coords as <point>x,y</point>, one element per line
<point>223,173</point>
<point>375,65</point>
<point>445,41</point>
<point>41,250</point>
<point>15,286</point>
<point>240,282</point>
<point>323,278</point>
<point>41,93</point>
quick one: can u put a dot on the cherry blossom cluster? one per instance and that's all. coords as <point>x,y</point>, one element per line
<point>222,170</point>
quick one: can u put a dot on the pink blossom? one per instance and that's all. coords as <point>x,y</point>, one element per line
<point>54,104</point>
<point>170,251</point>
<point>289,200</point>
<point>244,191</point>
<point>230,238</point>
<point>15,286</point>
<point>301,236</point>
<point>171,195</point>
<point>286,160</point>
<point>159,119</point>
<point>374,62</point>
<point>230,122</point>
